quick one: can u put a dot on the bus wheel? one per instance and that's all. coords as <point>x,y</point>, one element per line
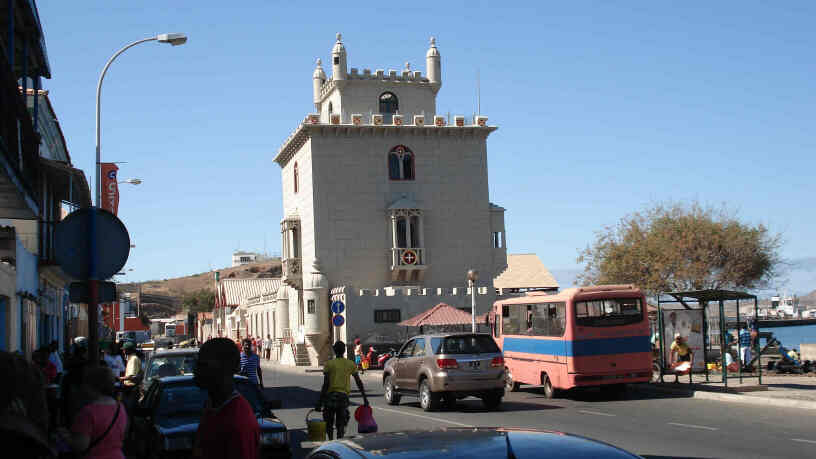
<point>509,384</point>
<point>549,390</point>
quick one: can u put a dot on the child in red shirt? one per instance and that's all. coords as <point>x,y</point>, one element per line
<point>228,428</point>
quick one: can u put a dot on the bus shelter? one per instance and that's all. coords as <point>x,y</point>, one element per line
<point>700,315</point>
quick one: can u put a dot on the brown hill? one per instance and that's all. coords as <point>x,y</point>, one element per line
<point>163,298</point>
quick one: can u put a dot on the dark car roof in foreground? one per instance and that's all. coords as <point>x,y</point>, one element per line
<point>173,352</point>
<point>477,442</point>
<point>189,378</point>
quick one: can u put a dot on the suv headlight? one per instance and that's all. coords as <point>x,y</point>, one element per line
<point>274,438</point>
<point>178,443</point>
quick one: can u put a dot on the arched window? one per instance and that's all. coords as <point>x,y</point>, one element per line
<point>389,105</point>
<point>331,108</point>
<point>401,163</point>
<point>296,178</point>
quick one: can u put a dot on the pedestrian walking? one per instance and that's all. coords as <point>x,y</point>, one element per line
<point>334,395</point>
<point>251,364</point>
<point>228,428</point>
<point>358,352</point>
<point>745,346</point>
<point>98,430</point>
<point>268,346</point>
<point>132,377</point>
<point>114,361</point>
<point>55,358</point>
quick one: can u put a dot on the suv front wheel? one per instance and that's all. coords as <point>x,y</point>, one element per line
<point>428,400</point>
<point>391,395</point>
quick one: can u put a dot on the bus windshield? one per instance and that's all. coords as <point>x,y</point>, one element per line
<point>608,312</point>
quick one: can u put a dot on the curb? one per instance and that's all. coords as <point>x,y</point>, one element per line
<point>735,398</point>
<point>374,375</point>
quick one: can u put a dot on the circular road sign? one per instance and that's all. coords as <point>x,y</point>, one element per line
<point>338,320</point>
<point>338,307</point>
<point>79,232</point>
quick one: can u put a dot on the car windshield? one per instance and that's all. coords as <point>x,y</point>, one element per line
<point>464,344</point>
<point>608,312</point>
<point>170,365</point>
<point>181,400</point>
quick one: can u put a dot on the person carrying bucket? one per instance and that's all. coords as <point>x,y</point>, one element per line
<point>334,395</point>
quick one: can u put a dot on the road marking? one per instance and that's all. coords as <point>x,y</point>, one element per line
<point>596,413</point>
<point>421,416</point>
<point>802,440</point>
<point>692,426</point>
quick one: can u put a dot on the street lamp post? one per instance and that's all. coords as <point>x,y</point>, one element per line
<point>174,39</point>
<point>472,277</point>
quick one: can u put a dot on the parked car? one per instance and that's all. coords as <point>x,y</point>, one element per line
<point>166,422</point>
<point>480,442</point>
<point>176,362</point>
<point>446,367</point>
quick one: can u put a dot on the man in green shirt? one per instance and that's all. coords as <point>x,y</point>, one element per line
<point>334,395</point>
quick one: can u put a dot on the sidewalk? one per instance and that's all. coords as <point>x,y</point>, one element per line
<point>369,376</point>
<point>787,391</point>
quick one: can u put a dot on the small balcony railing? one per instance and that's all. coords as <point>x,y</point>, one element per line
<point>407,258</point>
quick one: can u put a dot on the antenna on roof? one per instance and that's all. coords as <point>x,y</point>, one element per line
<point>478,93</point>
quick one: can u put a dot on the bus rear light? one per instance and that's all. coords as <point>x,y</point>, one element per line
<point>447,364</point>
<point>497,362</point>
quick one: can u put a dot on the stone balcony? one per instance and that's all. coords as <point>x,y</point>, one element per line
<point>292,272</point>
<point>408,264</point>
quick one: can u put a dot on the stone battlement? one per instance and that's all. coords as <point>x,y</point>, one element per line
<point>408,291</point>
<point>439,123</point>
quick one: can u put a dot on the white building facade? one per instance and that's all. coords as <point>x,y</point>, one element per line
<point>386,207</point>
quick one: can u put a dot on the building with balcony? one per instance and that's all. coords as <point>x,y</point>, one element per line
<point>37,185</point>
<point>386,207</point>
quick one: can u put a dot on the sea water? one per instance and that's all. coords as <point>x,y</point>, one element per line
<point>793,336</point>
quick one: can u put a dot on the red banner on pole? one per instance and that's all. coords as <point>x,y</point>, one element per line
<point>110,188</point>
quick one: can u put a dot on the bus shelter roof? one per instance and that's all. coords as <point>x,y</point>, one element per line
<point>703,296</point>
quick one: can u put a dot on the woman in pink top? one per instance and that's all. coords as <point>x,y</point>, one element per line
<point>99,427</point>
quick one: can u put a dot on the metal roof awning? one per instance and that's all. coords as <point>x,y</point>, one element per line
<point>710,295</point>
<point>68,182</point>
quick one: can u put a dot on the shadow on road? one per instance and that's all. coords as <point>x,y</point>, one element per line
<point>476,406</point>
<point>651,456</point>
<point>594,394</point>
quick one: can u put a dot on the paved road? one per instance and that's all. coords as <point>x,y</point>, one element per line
<point>654,427</point>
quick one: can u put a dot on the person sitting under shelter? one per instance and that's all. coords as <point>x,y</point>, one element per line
<point>680,352</point>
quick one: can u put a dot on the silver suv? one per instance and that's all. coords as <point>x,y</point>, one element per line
<point>446,368</point>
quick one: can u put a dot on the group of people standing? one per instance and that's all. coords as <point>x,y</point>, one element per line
<point>261,346</point>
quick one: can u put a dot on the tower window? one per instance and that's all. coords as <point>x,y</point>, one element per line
<point>295,177</point>
<point>331,108</point>
<point>389,105</point>
<point>401,163</point>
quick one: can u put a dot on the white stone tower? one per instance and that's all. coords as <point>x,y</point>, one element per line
<point>339,68</point>
<point>387,206</point>
<point>318,79</point>
<point>433,65</point>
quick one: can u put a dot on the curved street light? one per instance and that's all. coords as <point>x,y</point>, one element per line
<point>174,39</point>
<point>132,181</point>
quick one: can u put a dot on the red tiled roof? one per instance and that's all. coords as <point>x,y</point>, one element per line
<point>441,314</point>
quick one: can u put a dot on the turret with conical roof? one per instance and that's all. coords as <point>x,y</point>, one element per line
<point>339,67</point>
<point>318,79</point>
<point>433,65</point>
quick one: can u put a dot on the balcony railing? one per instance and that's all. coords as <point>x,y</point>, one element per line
<point>407,258</point>
<point>292,271</point>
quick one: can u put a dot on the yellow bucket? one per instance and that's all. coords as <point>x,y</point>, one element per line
<point>316,428</point>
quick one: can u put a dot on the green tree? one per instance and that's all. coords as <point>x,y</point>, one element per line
<point>202,300</point>
<point>676,247</point>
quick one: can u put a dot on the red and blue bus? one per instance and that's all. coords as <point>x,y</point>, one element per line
<point>587,336</point>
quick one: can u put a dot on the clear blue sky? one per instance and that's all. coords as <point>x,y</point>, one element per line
<point>602,109</point>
